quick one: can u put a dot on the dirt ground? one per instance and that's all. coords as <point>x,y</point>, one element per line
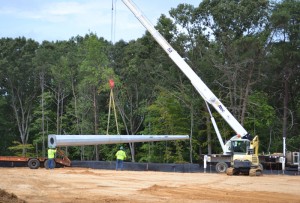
<point>91,185</point>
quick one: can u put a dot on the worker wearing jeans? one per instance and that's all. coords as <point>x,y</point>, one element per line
<point>51,156</point>
<point>121,155</point>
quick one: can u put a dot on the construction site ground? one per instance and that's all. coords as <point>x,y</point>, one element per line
<point>21,184</point>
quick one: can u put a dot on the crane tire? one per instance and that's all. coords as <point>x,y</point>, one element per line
<point>221,167</point>
<point>33,163</point>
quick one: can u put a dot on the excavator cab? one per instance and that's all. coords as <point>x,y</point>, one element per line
<point>240,146</point>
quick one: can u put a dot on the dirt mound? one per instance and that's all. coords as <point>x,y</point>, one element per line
<point>6,197</point>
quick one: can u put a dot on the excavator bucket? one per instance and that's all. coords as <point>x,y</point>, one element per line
<point>81,140</point>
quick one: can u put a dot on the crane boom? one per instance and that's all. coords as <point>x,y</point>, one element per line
<point>199,85</point>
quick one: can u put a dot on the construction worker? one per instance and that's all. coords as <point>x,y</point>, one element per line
<point>121,155</point>
<point>51,156</point>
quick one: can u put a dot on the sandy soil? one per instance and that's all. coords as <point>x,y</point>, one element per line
<point>91,185</point>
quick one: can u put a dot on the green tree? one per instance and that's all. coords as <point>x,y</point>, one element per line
<point>7,127</point>
<point>240,39</point>
<point>166,116</point>
<point>20,78</point>
<point>136,91</point>
<point>285,57</point>
<point>262,118</point>
<point>95,74</point>
<point>43,60</point>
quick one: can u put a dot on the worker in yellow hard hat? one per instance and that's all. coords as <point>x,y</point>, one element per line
<point>121,155</point>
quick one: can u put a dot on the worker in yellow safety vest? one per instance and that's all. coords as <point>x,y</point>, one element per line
<point>121,155</point>
<point>51,156</point>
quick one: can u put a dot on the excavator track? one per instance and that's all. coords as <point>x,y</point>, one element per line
<point>255,172</point>
<point>230,171</point>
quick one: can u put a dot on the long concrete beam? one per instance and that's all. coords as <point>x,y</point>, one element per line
<point>81,140</point>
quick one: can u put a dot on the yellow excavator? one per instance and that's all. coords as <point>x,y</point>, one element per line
<point>244,159</point>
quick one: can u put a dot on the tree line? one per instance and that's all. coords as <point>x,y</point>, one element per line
<point>247,53</point>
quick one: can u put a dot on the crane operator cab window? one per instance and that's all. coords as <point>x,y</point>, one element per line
<point>240,146</point>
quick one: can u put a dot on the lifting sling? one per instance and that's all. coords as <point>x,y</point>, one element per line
<point>112,106</point>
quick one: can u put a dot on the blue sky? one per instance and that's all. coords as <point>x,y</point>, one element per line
<point>62,19</point>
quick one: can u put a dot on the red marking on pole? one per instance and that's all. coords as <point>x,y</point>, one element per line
<point>111,83</point>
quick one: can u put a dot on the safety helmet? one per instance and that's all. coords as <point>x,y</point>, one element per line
<point>121,147</point>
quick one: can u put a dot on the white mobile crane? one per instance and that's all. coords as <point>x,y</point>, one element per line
<point>242,161</point>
